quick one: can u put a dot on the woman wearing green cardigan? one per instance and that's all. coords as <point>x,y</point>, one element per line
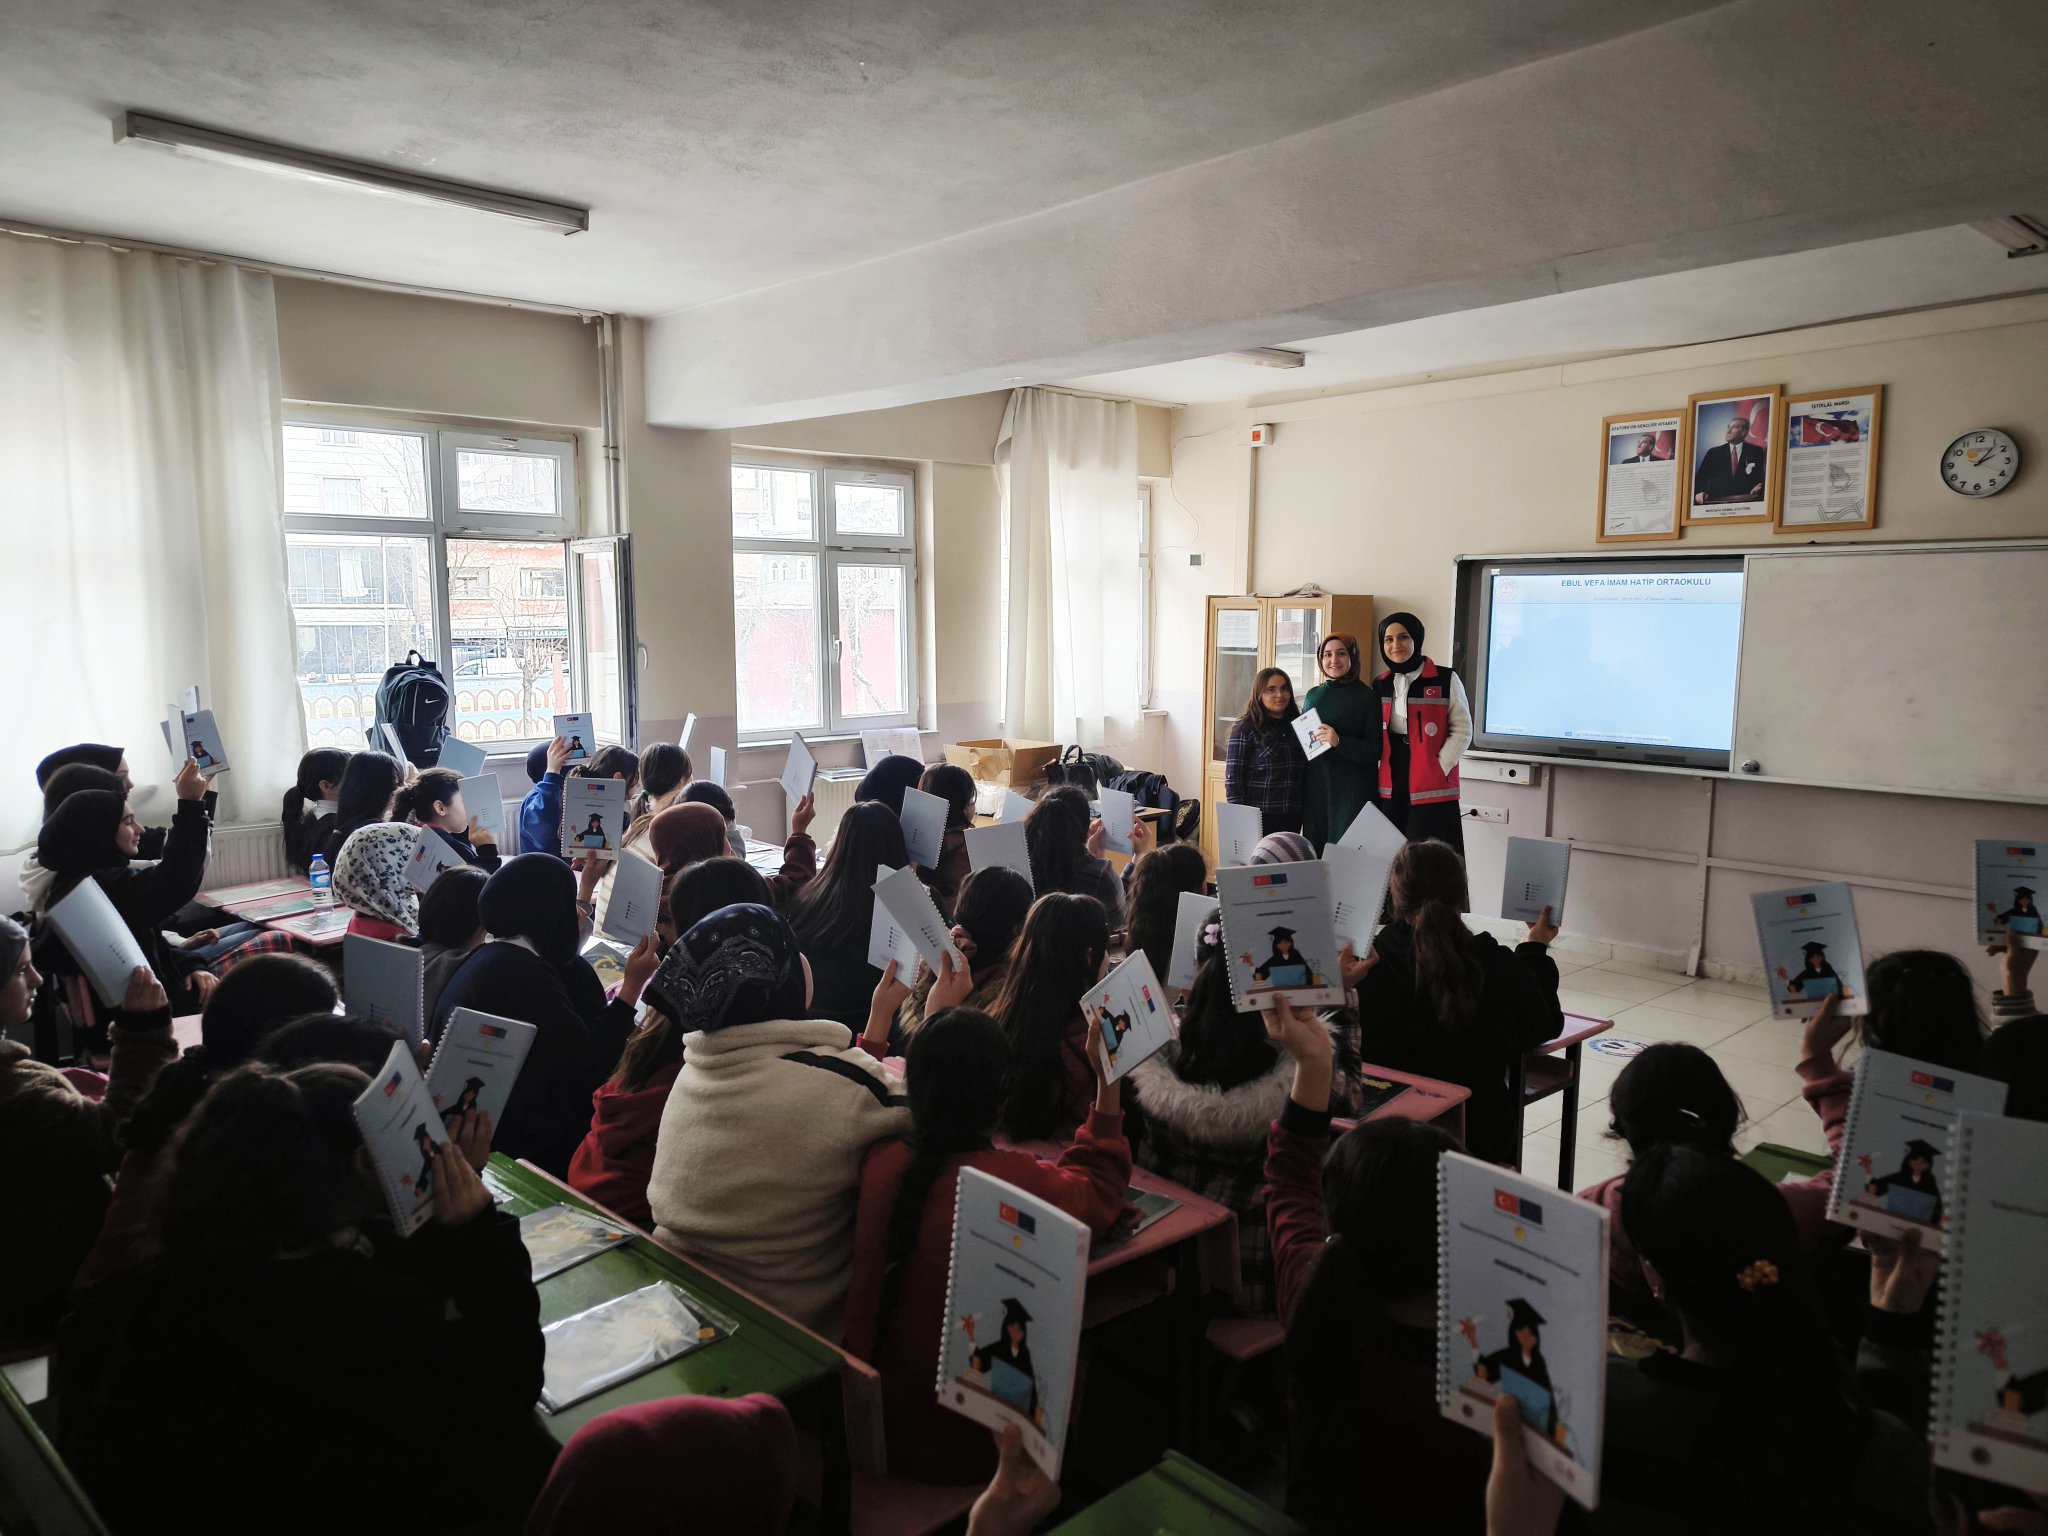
<point>1341,781</point>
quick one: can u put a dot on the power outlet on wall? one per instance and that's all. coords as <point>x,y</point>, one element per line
<point>1495,813</point>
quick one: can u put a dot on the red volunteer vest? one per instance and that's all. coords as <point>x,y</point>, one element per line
<point>1429,723</point>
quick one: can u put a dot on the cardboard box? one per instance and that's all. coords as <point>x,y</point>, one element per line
<point>1003,760</point>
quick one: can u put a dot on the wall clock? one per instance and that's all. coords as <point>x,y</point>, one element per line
<point>1981,462</point>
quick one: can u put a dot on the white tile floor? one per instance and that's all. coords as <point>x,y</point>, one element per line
<point>1728,1020</point>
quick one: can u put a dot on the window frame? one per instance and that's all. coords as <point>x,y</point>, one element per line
<point>830,550</point>
<point>445,523</point>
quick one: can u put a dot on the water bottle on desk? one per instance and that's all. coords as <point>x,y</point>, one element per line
<point>323,881</point>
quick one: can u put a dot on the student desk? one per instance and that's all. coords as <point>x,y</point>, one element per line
<point>766,1352</point>
<point>1180,1498</point>
<point>1427,1100</point>
<point>260,902</point>
<point>1778,1163</point>
<point>1537,1077</point>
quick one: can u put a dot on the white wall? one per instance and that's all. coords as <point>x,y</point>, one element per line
<point>1381,490</point>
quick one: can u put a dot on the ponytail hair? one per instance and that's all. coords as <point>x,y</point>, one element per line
<point>1674,1095</point>
<point>1427,891</point>
<point>321,765</point>
<point>956,1074</point>
<point>429,788</point>
<point>664,768</point>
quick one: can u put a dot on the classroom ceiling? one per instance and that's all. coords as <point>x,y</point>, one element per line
<point>723,147</point>
<point>1743,298</point>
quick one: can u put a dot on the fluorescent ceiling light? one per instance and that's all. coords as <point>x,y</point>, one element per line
<point>2021,234</point>
<point>1268,357</point>
<point>198,143</point>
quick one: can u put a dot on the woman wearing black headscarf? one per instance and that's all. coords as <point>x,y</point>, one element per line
<point>530,971</point>
<point>1338,784</point>
<point>1426,726</point>
<point>115,761</point>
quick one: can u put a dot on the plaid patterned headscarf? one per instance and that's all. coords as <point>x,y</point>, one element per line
<point>740,965</point>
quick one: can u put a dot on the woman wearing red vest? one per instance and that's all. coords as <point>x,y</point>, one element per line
<point>1425,727</point>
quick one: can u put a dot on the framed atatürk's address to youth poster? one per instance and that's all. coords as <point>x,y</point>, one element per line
<point>1639,477</point>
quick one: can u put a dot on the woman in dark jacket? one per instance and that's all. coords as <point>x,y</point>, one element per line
<point>832,914</point>
<point>1451,1004</point>
<point>1263,764</point>
<point>530,971</point>
<point>1341,782</point>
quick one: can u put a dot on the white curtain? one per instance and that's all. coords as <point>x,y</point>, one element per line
<point>140,496</point>
<point>1072,651</point>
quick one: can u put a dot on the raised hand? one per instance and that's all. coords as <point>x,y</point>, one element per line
<point>190,783</point>
<point>802,813</point>
<point>953,986</point>
<point>641,965</point>
<point>1543,930</point>
<point>459,1195</point>
<point>145,993</point>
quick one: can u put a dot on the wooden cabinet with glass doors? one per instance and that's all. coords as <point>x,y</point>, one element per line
<point>1247,634</point>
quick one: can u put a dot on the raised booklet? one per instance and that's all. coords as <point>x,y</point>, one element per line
<point>715,772</point>
<point>1306,725</point>
<point>1535,878</point>
<point>689,728</point>
<point>431,853</point>
<point>1989,1413</point>
<point>635,900</point>
<point>1119,813</point>
<point>1238,830</point>
<point>1278,936</point>
<point>385,982</point>
<point>562,1236</point>
<point>1193,913</point>
<point>577,730</point>
<point>898,741</point>
<point>2011,875</point>
<point>199,739</point>
<point>188,700</point>
<point>1895,1144</point>
<point>799,769</point>
<point>98,940</point>
<point>593,818</point>
<point>477,1062</point>
<point>1373,833</point>
<point>485,802</point>
<point>1013,1314</point>
<point>1132,1013</point>
<point>924,827</point>
<point>1000,845</point>
<point>401,1129</point>
<point>466,758</point>
<point>888,939</point>
<point>388,735</point>
<point>912,912</point>
<point>622,1338</point>
<point>1015,806</point>
<point>1811,951</point>
<point>1358,889</point>
<point>1522,1309</point>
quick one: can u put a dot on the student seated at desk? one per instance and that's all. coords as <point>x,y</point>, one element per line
<point>1923,1004</point>
<point>370,880</point>
<point>1060,954</point>
<point>664,770</point>
<point>885,782</point>
<point>954,785</point>
<point>832,914</point>
<point>1207,1099</point>
<point>987,918</point>
<point>1354,1229</point>
<point>757,1165</point>
<point>309,807</point>
<point>433,801</point>
<point>369,785</point>
<point>696,829</point>
<point>903,1236</point>
<point>704,792</point>
<point>450,929</point>
<point>1158,880</point>
<point>289,1363</point>
<point>1448,1003</point>
<point>1065,845</point>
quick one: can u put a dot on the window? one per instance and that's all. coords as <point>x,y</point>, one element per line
<point>824,572</point>
<point>383,557</point>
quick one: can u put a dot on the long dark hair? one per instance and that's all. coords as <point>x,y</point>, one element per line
<point>1724,1245</point>
<point>1058,958</point>
<point>323,765</point>
<point>663,767</point>
<point>1256,715</point>
<point>955,1073</point>
<point>448,915</point>
<point>1218,1045</point>
<point>1673,1094</point>
<point>1158,882</point>
<point>1924,1005</point>
<point>954,785</point>
<point>992,907</point>
<point>1427,892</point>
<point>368,786</point>
<point>1380,1193</point>
<point>836,907</point>
<point>1056,837</point>
<point>430,787</point>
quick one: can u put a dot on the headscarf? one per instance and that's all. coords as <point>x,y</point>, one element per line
<point>369,873</point>
<point>887,780</point>
<point>677,1466</point>
<point>684,834</point>
<point>79,836</point>
<point>13,944</point>
<point>91,752</point>
<point>740,965</point>
<point>1283,848</point>
<point>1413,625</point>
<point>532,896</point>
<point>74,777</point>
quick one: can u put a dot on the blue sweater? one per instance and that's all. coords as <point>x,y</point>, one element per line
<point>540,817</point>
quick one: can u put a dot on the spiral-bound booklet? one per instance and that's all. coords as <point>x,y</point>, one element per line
<point>476,1063</point>
<point>889,939</point>
<point>1279,937</point>
<point>1013,1314</point>
<point>1358,890</point>
<point>431,853</point>
<point>1895,1144</point>
<point>1238,830</point>
<point>1196,911</point>
<point>2012,889</point>
<point>1132,1014</point>
<point>1811,949</point>
<point>98,938</point>
<point>1989,1415</point>
<point>199,739</point>
<point>1000,844</point>
<point>402,1129</point>
<point>593,818</point>
<point>1522,1309</point>
<point>385,982</point>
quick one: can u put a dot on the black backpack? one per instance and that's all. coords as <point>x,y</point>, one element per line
<point>414,701</point>
<point>1088,771</point>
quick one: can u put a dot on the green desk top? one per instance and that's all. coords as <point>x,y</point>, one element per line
<point>763,1354</point>
<point>1178,1498</point>
<point>1778,1163</point>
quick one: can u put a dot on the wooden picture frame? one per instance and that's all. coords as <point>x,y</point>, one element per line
<point>1719,495</point>
<point>1641,489</point>
<point>1829,460</point>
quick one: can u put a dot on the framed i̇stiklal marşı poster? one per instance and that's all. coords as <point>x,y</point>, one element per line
<point>1731,455</point>
<point>1639,479</point>
<point>1831,459</point>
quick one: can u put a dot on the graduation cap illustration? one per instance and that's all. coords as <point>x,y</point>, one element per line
<point>1918,1148</point>
<point>1810,949</point>
<point>1014,1313</point>
<point>2023,890</point>
<point>1282,933</point>
<point>1521,1315</point>
<point>2025,1394</point>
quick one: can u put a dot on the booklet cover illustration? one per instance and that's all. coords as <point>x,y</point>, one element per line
<point>593,818</point>
<point>577,730</point>
<point>1811,950</point>
<point>1279,935</point>
<point>1306,724</point>
<point>1132,1013</point>
<point>477,1062</point>
<point>431,853</point>
<point>1895,1144</point>
<point>402,1130</point>
<point>200,738</point>
<point>2012,874</point>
